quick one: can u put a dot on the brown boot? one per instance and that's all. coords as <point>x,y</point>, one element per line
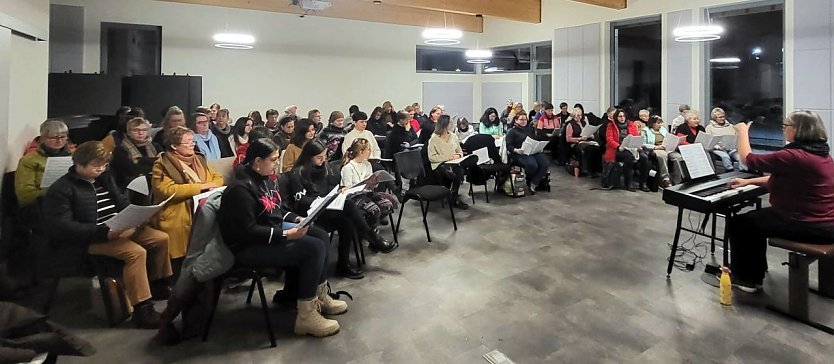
<point>329,305</point>
<point>310,322</point>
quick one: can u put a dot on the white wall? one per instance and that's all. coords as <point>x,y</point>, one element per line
<point>30,17</point>
<point>312,62</point>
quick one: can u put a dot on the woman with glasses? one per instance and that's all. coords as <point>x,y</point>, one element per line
<point>180,172</point>
<point>136,154</point>
<point>51,143</point>
<point>801,186</point>
<point>719,126</point>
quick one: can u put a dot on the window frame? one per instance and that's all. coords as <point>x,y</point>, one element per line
<point>613,93</point>
<point>442,48</point>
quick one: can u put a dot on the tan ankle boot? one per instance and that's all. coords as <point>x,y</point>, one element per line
<point>329,305</point>
<point>310,322</point>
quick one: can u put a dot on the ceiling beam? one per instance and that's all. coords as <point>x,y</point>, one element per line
<point>613,4</point>
<point>358,10</point>
<point>528,11</point>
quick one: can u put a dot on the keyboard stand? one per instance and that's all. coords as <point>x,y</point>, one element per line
<point>727,212</point>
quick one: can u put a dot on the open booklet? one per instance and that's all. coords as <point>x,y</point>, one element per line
<point>196,199</point>
<point>140,185</point>
<point>318,206</point>
<point>710,141</point>
<point>588,130</point>
<point>532,146</point>
<point>671,142</point>
<point>56,167</point>
<point>133,216</point>
<point>632,142</point>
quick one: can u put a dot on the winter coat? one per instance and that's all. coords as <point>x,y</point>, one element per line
<point>28,176</point>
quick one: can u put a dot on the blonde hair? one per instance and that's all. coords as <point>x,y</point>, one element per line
<point>173,110</point>
<point>175,134</point>
<point>89,152</point>
<point>132,123</point>
<point>359,145</point>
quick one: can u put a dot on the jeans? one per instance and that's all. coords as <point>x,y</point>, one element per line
<point>727,157</point>
<point>308,255</point>
<point>450,176</point>
<point>748,235</point>
<point>535,166</point>
<point>626,157</point>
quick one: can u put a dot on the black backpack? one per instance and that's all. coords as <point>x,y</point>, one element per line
<point>611,173</point>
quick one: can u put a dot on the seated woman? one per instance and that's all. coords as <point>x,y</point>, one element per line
<point>223,130</point>
<point>376,124</point>
<point>136,155</point>
<point>583,149</point>
<point>123,114</point>
<point>30,168</point>
<point>182,173</point>
<point>549,127</point>
<point>256,133</point>
<point>76,207</point>
<point>412,117</point>
<point>252,224</point>
<point>313,177</point>
<point>333,135</point>
<point>536,165</point>
<point>174,117</point>
<point>283,134</point>
<point>304,132</point>
<point>463,130</point>
<point>719,126</point>
<point>240,136</point>
<point>690,128</point>
<point>491,123</point>
<point>206,142</point>
<point>360,130</point>
<point>355,169</point>
<point>401,134</point>
<point>801,186</point>
<point>443,147</point>
<point>615,133</point>
<point>653,135</point>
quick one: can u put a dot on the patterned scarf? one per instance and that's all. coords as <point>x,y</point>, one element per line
<point>133,150</point>
<point>190,168</point>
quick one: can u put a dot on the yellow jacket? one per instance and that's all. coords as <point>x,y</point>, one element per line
<point>28,176</point>
<point>175,216</point>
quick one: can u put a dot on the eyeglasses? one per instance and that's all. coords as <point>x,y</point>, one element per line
<point>188,144</point>
<point>140,130</point>
<point>57,138</point>
<point>785,125</point>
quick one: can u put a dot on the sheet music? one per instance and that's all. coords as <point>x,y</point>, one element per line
<point>377,178</point>
<point>458,160</point>
<point>728,142</point>
<point>139,185</point>
<point>532,146</point>
<point>196,199</point>
<point>588,130</point>
<point>317,207</point>
<point>698,164</point>
<point>223,167</point>
<point>499,141</point>
<point>56,167</point>
<point>482,154</point>
<point>671,142</point>
<point>709,141</point>
<point>133,216</point>
<point>339,202</point>
<point>381,159</point>
<point>632,142</point>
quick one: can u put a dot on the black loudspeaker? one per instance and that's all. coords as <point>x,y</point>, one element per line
<point>155,94</point>
<point>83,94</point>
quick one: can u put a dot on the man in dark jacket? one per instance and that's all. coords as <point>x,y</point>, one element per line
<point>76,208</point>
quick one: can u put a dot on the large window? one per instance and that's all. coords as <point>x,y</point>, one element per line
<point>746,70</point>
<point>635,65</point>
<point>443,59</point>
<point>521,58</point>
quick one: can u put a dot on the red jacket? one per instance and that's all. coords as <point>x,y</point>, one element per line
<point>612,139</point>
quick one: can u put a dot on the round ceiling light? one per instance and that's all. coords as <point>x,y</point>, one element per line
<point>478,56</point>
<point>442,36</point>
<point>698,33</point>
<point>234,41</point>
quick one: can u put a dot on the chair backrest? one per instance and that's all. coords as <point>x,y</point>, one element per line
<point>478,141</point>
<point>409,164</point>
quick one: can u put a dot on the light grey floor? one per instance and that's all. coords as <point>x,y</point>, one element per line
<point>571,276</point>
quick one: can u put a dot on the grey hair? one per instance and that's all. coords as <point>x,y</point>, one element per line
<point>715,112</point>
<point>808,125</point>
<point>643,111</point>
<point>53,127</point>
<point>173,110</point>
<point>683,108</point>
<point>688,114</point>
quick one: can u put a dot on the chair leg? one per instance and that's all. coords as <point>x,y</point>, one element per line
<point>108,307</point>
<point>472,193</point>
<point>486,192</point>
<point>393,231</point>
<point>251,289</point>
<point>257,278</point>
<point>357,242</point>
<point>400,218</point>
<point>452,211</point>
<point>424,208</point>
<point>53,289</point>
<point>218,287</point>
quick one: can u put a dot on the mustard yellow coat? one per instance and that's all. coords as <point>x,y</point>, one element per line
<point>175,217</point>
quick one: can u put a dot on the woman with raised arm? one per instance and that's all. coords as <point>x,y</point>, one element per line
<point>801,186</point>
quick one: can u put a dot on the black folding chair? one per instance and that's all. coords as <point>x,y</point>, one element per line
<point>410,167</point>
<point>243,273</point>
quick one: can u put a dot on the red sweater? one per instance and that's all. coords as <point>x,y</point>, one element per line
<point>415,125</point>
<point>612,139</point>
<point>801,184</point>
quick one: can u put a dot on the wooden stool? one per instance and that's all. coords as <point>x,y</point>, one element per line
<point>800,257</point>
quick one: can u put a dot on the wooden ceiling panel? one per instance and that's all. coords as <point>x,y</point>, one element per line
<point>529,11</point>
<point>613,4</point>
<point>358,10</point>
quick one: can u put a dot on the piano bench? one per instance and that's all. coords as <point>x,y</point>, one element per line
<point>800,257</point>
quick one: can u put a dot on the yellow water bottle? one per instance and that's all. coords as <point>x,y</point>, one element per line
<point>725,289</point>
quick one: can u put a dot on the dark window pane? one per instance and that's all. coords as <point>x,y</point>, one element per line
<point>637,67</point>
<point>431,59</point>
<point>511,59</point>
<point>544,55</point>
<point>746,71</point>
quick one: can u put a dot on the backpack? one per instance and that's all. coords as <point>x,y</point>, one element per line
<point>611,173</point>
<point>514,185</point>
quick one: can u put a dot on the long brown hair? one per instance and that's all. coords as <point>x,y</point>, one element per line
<point>358,146</point>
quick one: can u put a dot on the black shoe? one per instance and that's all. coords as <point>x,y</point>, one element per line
<point>631,189</point>
<point>459,204</point>
<point>285,299</point>
<point>383,221</point>
<point>144,316</point>
<point>644,188</point>
<point>378,244</point>
<point>349,272</point>
<point>160,290</point>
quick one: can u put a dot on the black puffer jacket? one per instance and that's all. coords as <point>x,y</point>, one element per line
<point>69,220</point>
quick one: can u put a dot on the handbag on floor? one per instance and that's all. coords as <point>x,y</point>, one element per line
<point>114,293</point>
<point>514,185</point>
